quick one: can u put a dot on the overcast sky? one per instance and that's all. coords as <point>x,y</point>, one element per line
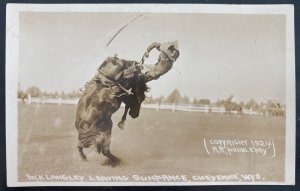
<point>221,54</point>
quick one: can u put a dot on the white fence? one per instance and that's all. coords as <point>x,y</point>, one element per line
<point>157,107</point>
<point>58,101</point>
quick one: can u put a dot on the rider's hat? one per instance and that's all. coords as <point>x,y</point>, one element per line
<point>164,47</point>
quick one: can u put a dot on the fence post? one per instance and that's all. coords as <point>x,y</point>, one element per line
<point>206,108</point>
<point>173,107</point>
<point>60,101</point>
<point>43,100</point>
<point>29,99</point>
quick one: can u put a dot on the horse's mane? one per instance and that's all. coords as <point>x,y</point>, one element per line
<point>142,84</point>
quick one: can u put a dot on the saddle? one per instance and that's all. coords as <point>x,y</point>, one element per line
<point>113,69</point>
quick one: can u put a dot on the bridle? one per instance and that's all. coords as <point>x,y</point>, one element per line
<point>135,67</point>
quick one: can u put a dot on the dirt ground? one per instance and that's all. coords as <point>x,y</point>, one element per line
<point>158,142</point>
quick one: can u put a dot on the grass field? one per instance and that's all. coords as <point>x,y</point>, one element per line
<point>158,142</point>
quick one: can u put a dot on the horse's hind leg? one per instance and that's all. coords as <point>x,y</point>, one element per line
<point>106,152</point>
<point>112,161</point>
<point>99,148</point>
<point>82,155</point>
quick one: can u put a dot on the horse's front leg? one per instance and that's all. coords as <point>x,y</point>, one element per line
<point>121,124</point>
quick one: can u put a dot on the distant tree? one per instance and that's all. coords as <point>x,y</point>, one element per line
<point>160,99</point>
<point>50,94</point>
<point>149,100</point>
<point>242,104</point>
<point>204,101</point>
<point>55,94</point>
<point>195,101</point>
<point>20,92</point>
<point>34,91</point>
<point>62,94</point>
<point>174,97</point>
<point>275,108</point>
<point>22,95</point>
<point>46,94</point>
<point>75,94</point>
<point>228,104</point>
<point>220,103</point>
<point>185,100</point>
<point>252,104</point>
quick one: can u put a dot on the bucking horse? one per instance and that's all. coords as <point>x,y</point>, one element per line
<point>100,100</point>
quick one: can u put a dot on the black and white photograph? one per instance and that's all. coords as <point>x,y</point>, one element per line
<point>150,95</point>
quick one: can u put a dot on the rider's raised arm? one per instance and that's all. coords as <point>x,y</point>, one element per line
<point>153,45</point>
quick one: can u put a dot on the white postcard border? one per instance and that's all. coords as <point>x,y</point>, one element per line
<point>12,64</point>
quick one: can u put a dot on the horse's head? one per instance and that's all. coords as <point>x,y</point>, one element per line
<point>138,89</point>
<point>113,66</point>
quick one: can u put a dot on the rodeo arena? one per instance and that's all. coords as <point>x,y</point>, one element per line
<point>84,125</point>
<point>123,75</point>
<point>223,106</point>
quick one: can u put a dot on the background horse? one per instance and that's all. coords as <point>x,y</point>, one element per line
<point>93,121</point>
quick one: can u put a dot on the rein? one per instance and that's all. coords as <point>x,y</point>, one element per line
<point>109,77</point>
<point>127,71</point>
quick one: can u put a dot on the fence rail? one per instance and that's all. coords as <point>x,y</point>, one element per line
<point>171,107</point>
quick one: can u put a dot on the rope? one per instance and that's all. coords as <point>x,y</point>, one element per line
<point>121,30</point>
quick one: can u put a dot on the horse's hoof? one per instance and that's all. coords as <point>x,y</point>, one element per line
<point>83,158</point>
<point>113,162</point>
<point>121,125</point>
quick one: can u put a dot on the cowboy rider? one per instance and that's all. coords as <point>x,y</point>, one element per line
<point>168,54</point>
<point>109,76</point>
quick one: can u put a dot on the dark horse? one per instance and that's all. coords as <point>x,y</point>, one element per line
<point>93,120</point>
